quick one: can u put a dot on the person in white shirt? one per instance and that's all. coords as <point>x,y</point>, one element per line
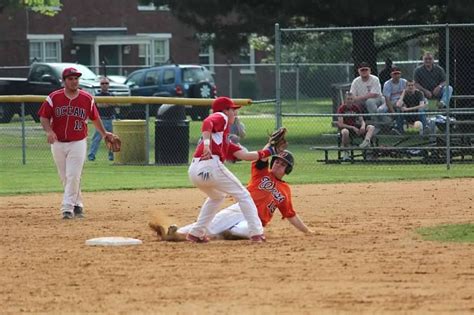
<point>393,88</point>
<point>368,93</point>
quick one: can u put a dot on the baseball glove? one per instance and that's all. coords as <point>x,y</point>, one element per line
<point>277,140</point>
<point>113,143</point>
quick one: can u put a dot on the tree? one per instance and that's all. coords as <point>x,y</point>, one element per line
<point>233,21</point>
<point>46,7</point>
<point>461,63</point>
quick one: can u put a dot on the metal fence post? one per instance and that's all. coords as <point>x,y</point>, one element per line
<point>297,85</point>
<point>147,133</point>
<point>446,90</point>
<point>23,133</point>
<point>277,76</point>
<point>230,78</point>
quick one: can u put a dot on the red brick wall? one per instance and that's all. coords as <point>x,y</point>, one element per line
<point>15,25</point>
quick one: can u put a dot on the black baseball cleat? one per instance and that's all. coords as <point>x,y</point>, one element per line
<point>78,212</point>
<point>67,215</point>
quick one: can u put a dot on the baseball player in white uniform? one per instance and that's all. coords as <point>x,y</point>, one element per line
<point>63,116</point>
<point>208,172</point>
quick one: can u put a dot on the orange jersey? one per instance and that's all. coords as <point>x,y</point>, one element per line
<point>269,193</point>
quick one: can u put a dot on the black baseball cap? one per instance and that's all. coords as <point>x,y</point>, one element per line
<point>363,64</point>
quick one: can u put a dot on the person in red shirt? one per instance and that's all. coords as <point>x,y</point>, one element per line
<point>353,126</point>
<point>63,116</point>
<point>208,172</point>
<point>269,192</point>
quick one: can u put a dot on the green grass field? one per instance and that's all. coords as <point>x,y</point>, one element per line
<point>39,174</point>
<point>461,233</point>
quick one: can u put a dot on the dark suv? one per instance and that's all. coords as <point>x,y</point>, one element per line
<point>191,81</point>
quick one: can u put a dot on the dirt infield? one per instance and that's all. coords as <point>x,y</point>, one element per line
<point>366,257</point>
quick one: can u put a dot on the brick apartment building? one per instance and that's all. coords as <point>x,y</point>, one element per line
<point>121,33</point>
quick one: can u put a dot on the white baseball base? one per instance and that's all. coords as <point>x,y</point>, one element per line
<point>113,241</point>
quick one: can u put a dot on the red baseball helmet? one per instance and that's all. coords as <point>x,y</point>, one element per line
<point>222,103</point>
<point>68,72</point>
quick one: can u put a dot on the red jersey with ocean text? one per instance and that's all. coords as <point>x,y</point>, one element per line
<point>69,116</point>
<point>269,193</point>
<point>217,124</point>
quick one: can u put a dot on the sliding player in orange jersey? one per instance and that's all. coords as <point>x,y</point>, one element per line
<point>268,191</point>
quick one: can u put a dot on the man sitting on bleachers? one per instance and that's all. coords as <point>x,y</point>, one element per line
<point>353,126</point>
<point>412,100</point>
<point>367,93</point>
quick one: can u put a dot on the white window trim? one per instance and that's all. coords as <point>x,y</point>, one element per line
<point>43,39</point>
<point>152,7</point>
<point>251,67</point>
<point>210,55</point>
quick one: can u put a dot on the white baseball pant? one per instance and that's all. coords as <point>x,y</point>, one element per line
<point>230,218</point>
<point>69,158</point>
<point>214,179</point>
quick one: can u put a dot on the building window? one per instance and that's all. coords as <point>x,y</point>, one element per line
<point>160,55</point>
<point>144,54</point>
<point>148,5</point>
<point>51,51</point>
<point>155,53</point>
<point>206,56</point>
<point>155,56</point>
<point>35,52</point>
<point>45,48</point>
<point>247,57</point>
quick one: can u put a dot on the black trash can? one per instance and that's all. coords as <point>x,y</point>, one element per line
<point>171,135</point>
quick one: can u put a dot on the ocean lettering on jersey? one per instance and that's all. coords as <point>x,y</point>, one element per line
<point>267,184</point>
<point>70,111</point>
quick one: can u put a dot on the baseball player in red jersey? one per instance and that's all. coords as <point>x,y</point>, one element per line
<point>268,191</point>
<point>63,116</point>
<point>208,172</point>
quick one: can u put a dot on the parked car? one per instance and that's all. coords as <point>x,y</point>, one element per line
<point>192,81</point>
<point>117,78</point>
<point>44,78</point>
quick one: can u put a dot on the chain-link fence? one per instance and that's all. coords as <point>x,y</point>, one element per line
<point>315,70</point>
<point>169,138</point>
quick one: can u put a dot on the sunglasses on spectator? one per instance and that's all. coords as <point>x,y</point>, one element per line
<point>104,83</point>
<point>364,69</point>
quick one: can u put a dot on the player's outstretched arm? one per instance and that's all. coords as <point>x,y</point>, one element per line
<point>263,154</point>
<point>299,224</point>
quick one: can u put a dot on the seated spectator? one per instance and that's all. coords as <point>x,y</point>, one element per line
<point>431,80</point>
<point>384,75</point>
<point>412,100</point>
<point>393,88</point>
<point>367,93</point>
<point>353,126</point>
